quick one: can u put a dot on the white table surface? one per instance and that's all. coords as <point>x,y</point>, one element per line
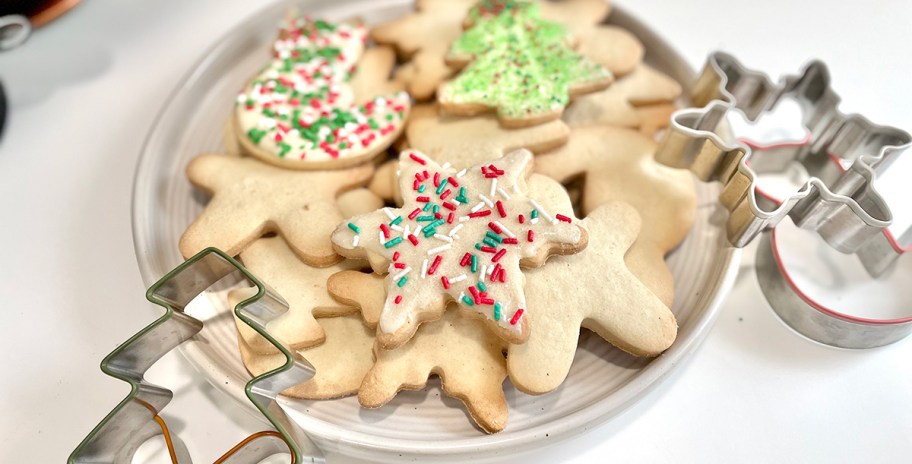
<point>85,90</point>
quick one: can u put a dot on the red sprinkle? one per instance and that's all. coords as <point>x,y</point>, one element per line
<point>448,205</point>
<point>417,159</point>
<point>490,175</point>
<point>475,295</point>
<point>516,316</point>
<point>398,299</point>
<point>488,249</point>
<point>499,255</point>
<point>494,227</point>
<point>511,241</point>
<point>561,217</point>
<point>438,216</point>
<point>480,213</point>
<point>502,276</point>
<point>487,301</point>
<point>500,209</point>
<point>453,181</point>
<point>445,281</point>
<point>497,268</point>
<point>396,256</point>
<point>522,219</point>
<point>413,239</point>
<point>530,236</point>
<point>399,265</point>
<point>450,218</point>
<point>436,179</point>
<point>386,230</point>
<point>423,199</point>
<point>414,213</point>
<point>433,268</point>
<point>466,258</point>
<point>415,184</point>
<point>445,194</point>
<point>426,175</point>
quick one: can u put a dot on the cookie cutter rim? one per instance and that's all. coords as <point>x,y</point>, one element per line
<point>846,214</point>
<point>812,319</point>
<point>120,433</point>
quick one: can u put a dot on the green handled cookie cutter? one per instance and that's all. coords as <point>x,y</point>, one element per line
<point>135,419</point>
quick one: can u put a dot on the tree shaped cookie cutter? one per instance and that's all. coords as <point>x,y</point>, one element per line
<point>842,205</point>
<point>135,419</point>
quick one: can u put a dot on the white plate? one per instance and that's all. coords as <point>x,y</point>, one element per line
<point>423,425</point>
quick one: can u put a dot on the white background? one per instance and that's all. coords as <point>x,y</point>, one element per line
<point>85,90</point>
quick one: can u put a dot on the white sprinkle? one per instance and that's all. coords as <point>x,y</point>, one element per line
<point>402,273</point>
<point>534,220</point>
<point>382,240</point>
<point>424,269</point>
<point>398,173</point>
<point>396,228</point>
<point>493,187</point>
<point>486,200</point>
<point>461,173</point>
<point>445,238</point>
<point>458,278</point>
<point>356,240</point>
<point>478,206</point>
<point>455,229</point>
<point>455,237</point>
<point>554,221</point>
<point>504,229</point>
<point>503,193</point>
<point>515,189</point>
<point>542,211</point>
<point>463,218</point>
<point>445,166</point>
<point>491,270</point>
<point>440,249</point>
<point>461,294</point>
<point>406,232</point>
<point>484,271</point>
<point>389,214</point>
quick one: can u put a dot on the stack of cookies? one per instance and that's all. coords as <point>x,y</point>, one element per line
<point>408,196</point>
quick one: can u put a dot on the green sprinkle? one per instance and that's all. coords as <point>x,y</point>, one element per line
<point>467,300</point>
<point>534,213</point>
<point>355,228</point>
<point>256,135</point>
<point>393,242</point>
<point>489,243</point>
<point>424,218</point>
<point>496,311</point>
<point>284,148</point>
<point>491,235</point>
<point>481,286</point>
<point>427,206</point>
<point>436,209</point>
<point>389,117</point>
<point>396,221</point>
<point>474,263</point>
<point>442,186</point>
<point>402,281</point>
<point>430,233</point>
<point>421,188</point>
<point>433,225</point>
<point>478,246</point>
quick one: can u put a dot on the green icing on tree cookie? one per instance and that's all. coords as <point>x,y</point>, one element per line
<point>523,65</point>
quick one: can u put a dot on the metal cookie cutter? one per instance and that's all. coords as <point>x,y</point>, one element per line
<point>118,436</point>
<point>839,203</point>
<point>842,206</point>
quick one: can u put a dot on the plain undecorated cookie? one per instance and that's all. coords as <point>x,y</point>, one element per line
<point>592,289</point>
<point>250,199</point>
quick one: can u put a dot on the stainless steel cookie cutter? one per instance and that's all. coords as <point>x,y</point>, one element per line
<point>135,419</point>
<point>814,319</point>
<point>841,205</point>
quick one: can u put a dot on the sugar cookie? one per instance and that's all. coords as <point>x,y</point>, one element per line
<point>250,198</point>
<point>459,236</point>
